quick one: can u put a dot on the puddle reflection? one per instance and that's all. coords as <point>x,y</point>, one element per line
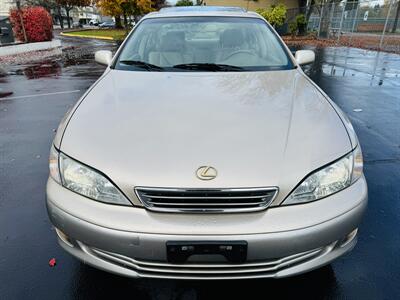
<point>72,62</point>
<point>40,70</point>
<point>371,67</point>
<point>3,92</point>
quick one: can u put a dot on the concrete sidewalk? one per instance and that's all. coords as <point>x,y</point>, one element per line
<point>28,47</point>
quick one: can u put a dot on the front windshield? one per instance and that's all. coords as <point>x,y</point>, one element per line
<point>203,44</point>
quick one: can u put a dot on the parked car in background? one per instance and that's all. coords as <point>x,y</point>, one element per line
<point>77,25</point>
<point>94,22</point>
<point>6,33</point>
<point>205,152</point>
<point>108,24</point>
<point>3,31</point>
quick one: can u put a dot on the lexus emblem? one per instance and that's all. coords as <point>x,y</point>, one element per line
<point>206,173</point>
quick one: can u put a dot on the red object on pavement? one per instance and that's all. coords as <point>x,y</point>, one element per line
<point>52,262</point>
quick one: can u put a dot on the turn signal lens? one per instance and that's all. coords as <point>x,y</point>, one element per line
<point>53,164</point>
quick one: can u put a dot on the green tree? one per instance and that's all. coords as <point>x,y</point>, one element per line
<point>157,4</point>
<point>138,7</point>
<point>111,8</point>
<point>184,3</point>
<point>127,8</point>
<point>301,23</point>
<point>68,5</point>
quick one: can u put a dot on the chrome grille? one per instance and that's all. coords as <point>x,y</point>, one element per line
<point>258,269</point>
<point>206,200</point>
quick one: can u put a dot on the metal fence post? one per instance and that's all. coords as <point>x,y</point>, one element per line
<point>331,19</point>
<point>341,20</point>
<point>386,22</point>
<point>320,19</point>
<point>354,22</point>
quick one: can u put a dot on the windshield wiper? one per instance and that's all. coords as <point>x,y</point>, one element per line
<point>208,67</point>
<point>141,64</point>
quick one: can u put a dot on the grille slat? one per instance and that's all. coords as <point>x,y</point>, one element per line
<point>194,198</point>
<point>201,204</point>
<point>258,269</point>
<point>206,200</point>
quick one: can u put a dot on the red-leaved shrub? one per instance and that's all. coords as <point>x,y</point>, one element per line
<point>38,24</point>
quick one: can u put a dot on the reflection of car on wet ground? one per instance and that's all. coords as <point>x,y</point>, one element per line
<point>205,152</point>
<point>108,24</point>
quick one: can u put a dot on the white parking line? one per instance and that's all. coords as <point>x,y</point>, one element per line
<point>40,95</point>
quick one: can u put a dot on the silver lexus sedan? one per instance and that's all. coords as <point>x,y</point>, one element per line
<point>205,152</point>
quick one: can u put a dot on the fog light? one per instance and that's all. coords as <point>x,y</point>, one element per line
<point>64,237</point>
<point>348,238</point>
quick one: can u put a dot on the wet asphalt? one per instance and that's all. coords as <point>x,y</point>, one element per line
<point>366,85</point>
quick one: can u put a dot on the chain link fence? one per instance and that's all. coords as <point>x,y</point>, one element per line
<point>367,24</point>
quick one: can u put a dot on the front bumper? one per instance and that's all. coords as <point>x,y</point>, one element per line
<point>296,244</point>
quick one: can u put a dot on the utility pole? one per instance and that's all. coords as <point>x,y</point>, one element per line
<point>18,2</point>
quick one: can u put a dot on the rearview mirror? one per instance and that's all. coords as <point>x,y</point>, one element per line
<point>304,57</point>
<point>103,57</point>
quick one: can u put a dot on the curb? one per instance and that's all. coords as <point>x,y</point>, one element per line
<point>98,37</point>
<point>22,48</point>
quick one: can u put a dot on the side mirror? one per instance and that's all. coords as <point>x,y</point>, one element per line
<point>103,57</point>
<point>304,57</point>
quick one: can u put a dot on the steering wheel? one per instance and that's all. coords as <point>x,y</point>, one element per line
<point>240,52</point>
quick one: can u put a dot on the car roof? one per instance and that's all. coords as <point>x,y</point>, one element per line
<point>192,11</point>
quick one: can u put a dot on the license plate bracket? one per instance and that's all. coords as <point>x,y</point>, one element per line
<point>180,251</point>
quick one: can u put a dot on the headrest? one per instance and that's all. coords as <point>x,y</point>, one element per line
<point>231,38</point>
<point>173,41</point>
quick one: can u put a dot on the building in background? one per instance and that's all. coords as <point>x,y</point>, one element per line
<point>5,6</point>
<point>78,15</point>
<point>83,15</point>
<point>251,4</point>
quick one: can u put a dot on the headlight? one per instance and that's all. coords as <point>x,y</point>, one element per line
<point>329,180</point>
<point>83,180</point>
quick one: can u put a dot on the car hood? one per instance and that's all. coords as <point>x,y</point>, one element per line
<point>155,129</point>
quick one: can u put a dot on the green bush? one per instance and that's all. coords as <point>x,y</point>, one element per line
<point>298,25</point>
<point>275,15</point>
<point>184,3</point>
<point>301,22</point>
<point>301,19</point>
<point>293,28</point>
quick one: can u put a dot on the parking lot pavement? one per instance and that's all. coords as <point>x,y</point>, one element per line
<point>366,85</point>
